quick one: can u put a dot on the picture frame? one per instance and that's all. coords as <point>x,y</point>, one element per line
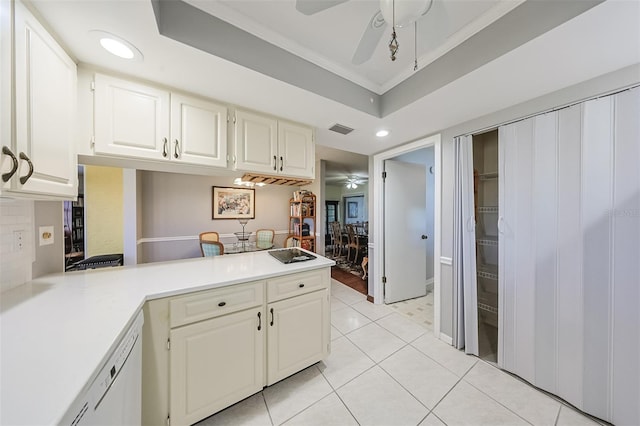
<point>352,209</point>
<point>233,203</point>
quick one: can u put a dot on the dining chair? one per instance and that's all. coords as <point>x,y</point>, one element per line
<point>338,240</point>
<point>354,243</point>
<point>264,238</point>
<point>209,236</point>
<point>289,241</point>
<point>211,248</point>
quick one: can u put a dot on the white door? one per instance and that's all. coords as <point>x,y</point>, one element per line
<point>198,131</point>
<point>405,250</point>
<point>131,119</point>
<point>295,150</point>
<point>256,146</point>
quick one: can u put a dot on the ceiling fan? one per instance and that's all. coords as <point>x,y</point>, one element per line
<point>354,181</point>
<point>401,12</point>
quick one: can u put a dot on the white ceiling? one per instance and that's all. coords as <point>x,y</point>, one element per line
<point>602,39</point>
<point>329,38</point>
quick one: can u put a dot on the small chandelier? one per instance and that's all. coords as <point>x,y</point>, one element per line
<point>393,44</point>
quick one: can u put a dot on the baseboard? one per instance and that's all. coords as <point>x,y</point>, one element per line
<point>429,285</point>
<point>446,339</point>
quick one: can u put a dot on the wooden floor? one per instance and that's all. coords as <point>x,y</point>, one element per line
<point>347,278</point>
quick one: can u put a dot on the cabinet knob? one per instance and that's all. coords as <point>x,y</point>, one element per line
<point>14,166</point>
<point>24,179</point>
<point>221,304</point>
<point>301,285</point>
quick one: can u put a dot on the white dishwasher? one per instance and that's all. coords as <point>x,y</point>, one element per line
<point>115,396</point>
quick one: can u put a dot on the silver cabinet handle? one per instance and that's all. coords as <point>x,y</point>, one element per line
<point>500,220</point>
<point>24,179</point>
<point>176,150</point>
<point>164,147</point>
<point>14,166</point>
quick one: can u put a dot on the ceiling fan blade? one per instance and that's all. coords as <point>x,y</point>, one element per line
<point>370,39</point>
<point>309,7</point>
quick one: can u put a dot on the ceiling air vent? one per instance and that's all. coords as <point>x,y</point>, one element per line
<point>339,128</point>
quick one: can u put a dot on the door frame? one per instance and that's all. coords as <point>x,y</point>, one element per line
<point>377,231</point>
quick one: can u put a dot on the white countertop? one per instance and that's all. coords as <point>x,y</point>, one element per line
<point>57,331</point>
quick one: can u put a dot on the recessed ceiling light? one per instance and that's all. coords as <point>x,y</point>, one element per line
<point>117,46</point>
<point>382,133</point>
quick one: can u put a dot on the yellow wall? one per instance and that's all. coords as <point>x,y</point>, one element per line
<point>103,209</point>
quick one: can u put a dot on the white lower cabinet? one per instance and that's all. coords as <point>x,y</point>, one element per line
<point>207,350</point>
<point>297,335</point>
<point>214,364</point>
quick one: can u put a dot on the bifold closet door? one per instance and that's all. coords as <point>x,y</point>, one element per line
<point>570,254</point>
<point>465,319</point>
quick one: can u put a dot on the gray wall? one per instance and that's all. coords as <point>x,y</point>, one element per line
<point>49,258</point>
<point>175,208</point>
<point>600,85</point>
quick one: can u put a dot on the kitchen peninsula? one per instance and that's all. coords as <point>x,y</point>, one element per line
<point>58,331</point>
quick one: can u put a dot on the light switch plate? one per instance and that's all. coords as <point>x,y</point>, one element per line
<point>46,235</point>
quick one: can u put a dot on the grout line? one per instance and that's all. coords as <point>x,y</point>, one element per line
<point>266,406</point>
<point>497,402</point>
<point>557,416</point>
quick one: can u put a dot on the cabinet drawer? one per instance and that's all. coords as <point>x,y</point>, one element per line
<point>214,303</point>
<point>292,285</point>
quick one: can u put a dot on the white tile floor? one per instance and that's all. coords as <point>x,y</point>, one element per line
<point>386,368</point>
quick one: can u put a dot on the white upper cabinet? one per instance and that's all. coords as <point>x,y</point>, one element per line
<point>140,121</point>
<point>266,145</point>
<point>131,119</point>
<point>296,150</point>
<point>256,144</point>
<point>198,131</point>
<point>41,159</point>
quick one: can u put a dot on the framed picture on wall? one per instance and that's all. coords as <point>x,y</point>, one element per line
<point>352,209</point>
<point>233,203</point>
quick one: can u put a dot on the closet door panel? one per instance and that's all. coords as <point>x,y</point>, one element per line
<point>524,280</point>
<point>507,155</point>
<point>597,164</point>
<point>626,260</point>
<point>569,256</point>
<point>545,223</point>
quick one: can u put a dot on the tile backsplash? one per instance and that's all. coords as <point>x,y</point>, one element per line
<point>15,263</point>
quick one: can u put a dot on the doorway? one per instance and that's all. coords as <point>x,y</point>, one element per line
<point>378,231</point>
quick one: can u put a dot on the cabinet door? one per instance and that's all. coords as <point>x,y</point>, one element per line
<point>198,131</point>
<point>131,119</point>
<point>255,143</point>
<point>45,83</point>
<point>214,364</point>
<point>295,150</point>
<point>6,80</point>
<point>298,334</point>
